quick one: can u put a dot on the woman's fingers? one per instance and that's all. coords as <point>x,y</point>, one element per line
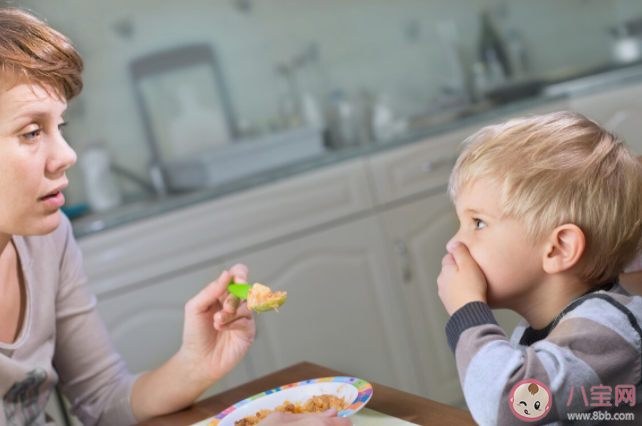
<point>230,303</point>
<point>224,317</point>
<point>237,324</point>
<point>239,273</point>
<point>209,295</point>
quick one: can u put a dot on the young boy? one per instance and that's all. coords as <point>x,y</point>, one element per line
<point>550,215</point>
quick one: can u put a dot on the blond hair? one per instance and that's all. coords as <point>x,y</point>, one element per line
<point>34,52</point>
<point>562,168</point>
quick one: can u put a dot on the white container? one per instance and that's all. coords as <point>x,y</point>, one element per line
<point>627,49</point>
<point>244,158</point>
<point>101,186</point>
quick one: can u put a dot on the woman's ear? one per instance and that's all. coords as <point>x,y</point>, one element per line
<point>564,248</point>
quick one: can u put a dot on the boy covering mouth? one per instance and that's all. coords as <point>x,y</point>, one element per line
<point>550,214</point>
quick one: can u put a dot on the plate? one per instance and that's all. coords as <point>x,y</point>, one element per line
<point>356,391</point>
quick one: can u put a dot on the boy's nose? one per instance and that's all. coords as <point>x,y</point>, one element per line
<point>453,240</point>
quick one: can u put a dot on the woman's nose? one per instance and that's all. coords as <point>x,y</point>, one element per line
<point>61,156</point>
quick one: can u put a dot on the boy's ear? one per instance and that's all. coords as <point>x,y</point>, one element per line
<point>564,248</point>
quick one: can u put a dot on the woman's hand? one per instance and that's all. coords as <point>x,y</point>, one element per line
<point>219,328</point>
<point>218,331</point>
<point>327,418</point>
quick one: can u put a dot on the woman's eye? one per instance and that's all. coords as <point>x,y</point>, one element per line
<point>479,224</point>
<point>61,126</point>
<point>31,136</point>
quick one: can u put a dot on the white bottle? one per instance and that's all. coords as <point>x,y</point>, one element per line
<point>383,120</point>
<point>496,75</point>
<point>517,54</point>
<point>101,186</point>
<point>312,112</point>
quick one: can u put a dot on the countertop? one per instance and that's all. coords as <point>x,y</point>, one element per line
<point>603,78</point>
<point>395,403</point>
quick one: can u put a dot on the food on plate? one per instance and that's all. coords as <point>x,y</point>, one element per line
<point>316,404</point>
<point>261,299</point>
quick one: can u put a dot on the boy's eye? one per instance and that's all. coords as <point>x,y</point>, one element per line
<point>60,126</point>
<point>522,403</point>
<point>479,224</point>
<point>537,405</point>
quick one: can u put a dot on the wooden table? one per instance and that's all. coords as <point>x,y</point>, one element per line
<point>386,400</point>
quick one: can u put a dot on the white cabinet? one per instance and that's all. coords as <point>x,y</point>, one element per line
<point>141,252</point>
<point>418,233</point>
<point>146,324</point>
<point>422,167</point>
<point>343,311</point>
<point>619,110</point>
<point>418,167</point>
<point>417,237</point>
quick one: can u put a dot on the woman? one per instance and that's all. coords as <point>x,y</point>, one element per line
<point>50,332</point>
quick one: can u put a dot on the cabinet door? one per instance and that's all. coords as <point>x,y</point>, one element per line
<point>146,324</point>
<point>620,110</point>
<point>138,253</point>
<point>418,234</point>
<point>425,166</point>
<point>417,167</point>
<point>342,310</point>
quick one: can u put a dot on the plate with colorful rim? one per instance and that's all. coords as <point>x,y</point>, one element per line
<point>357,393</point>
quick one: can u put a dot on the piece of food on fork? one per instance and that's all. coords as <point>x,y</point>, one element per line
<point>259,297</point>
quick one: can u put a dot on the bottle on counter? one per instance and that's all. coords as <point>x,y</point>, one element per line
<point>101,185</point>
<point>344,126</point>
<point>517,54</point>
<point>492,51</point>
<point>386,126</point>
<point>481,83</point>
<point>309,89</point>
<point>290,99</point>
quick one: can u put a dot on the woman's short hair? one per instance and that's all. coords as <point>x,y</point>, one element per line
<point>562,168</point>
<point>33,52</point>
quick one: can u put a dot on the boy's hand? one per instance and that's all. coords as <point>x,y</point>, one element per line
<point>461,281</point>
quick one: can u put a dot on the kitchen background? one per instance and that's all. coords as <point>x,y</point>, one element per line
<point>311,140</point>
<point>395,55</point>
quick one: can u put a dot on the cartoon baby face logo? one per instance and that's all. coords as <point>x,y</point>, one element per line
<point>530,400</point>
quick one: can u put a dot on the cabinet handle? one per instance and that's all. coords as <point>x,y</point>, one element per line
<point>429,166</point>
<point>402,251</point>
